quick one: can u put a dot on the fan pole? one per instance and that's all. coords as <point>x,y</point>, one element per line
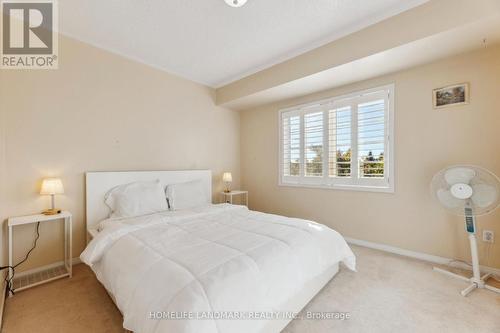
<point>476,281</point>
<point>476,275</point>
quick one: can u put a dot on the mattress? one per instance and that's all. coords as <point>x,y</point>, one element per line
<point>219,268</point>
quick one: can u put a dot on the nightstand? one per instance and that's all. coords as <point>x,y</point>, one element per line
<point>52,272</point>
<point>228,196</point>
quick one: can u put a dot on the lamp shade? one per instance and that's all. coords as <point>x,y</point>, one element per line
<point>52,186</point>
<point>227,177</point>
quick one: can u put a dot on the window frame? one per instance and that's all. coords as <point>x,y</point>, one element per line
<point>353,183</point>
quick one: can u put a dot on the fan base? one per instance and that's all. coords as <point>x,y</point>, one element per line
<point>474,283</point>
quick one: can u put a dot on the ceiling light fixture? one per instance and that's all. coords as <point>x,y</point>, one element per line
<point>236,3</point>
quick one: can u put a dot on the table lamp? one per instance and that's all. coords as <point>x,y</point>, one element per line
<point>52,186</point>
<point>227,178</point>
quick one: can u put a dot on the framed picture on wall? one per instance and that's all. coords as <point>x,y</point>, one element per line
<point>454,95</point>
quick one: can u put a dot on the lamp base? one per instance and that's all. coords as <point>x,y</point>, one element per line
<point>52,211</point>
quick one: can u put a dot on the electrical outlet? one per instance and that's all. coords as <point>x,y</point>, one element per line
<point>488,236</point>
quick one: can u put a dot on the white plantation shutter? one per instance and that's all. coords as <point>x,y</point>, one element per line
<point>340,142</point>
<point>313,144</point>
<point>371,138</point>
<point>343,142</point>
<point>291,145</point>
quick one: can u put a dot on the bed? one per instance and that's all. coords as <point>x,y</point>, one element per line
<point>210,268</point>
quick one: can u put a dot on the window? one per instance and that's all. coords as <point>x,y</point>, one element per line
<point>342,142</point>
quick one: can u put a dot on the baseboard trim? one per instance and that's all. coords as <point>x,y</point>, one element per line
<point>74,261</point>
<point>418,255</point>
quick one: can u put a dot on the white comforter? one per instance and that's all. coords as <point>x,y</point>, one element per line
<point>220,260</point>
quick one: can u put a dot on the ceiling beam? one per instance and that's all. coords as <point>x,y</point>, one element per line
<point>431,18</point>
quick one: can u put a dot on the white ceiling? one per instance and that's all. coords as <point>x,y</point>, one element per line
<point>209,42</point>
<point>466,38</point>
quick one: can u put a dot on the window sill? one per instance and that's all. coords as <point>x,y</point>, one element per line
<point>362,188</point>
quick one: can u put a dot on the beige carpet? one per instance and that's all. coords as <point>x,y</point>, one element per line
<point>388,294</point>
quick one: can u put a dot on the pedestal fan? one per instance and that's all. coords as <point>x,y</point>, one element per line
<point>468,191</point>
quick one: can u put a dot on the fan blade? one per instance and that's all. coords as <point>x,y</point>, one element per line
<point>448,200</point>
<point>459,175</point>
<point>484,195</point>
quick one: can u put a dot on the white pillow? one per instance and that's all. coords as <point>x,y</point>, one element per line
<point>186,195</point>
<point>136,199</point>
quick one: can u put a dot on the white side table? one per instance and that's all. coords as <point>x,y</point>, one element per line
<point>54,272</point>
<point>228,196</point>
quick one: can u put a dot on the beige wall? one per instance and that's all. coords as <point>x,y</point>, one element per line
<point>3,243</point>
<point>426,140</point>
<point>100,112</point>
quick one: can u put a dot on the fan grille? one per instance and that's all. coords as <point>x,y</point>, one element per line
<point>485,185</point>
